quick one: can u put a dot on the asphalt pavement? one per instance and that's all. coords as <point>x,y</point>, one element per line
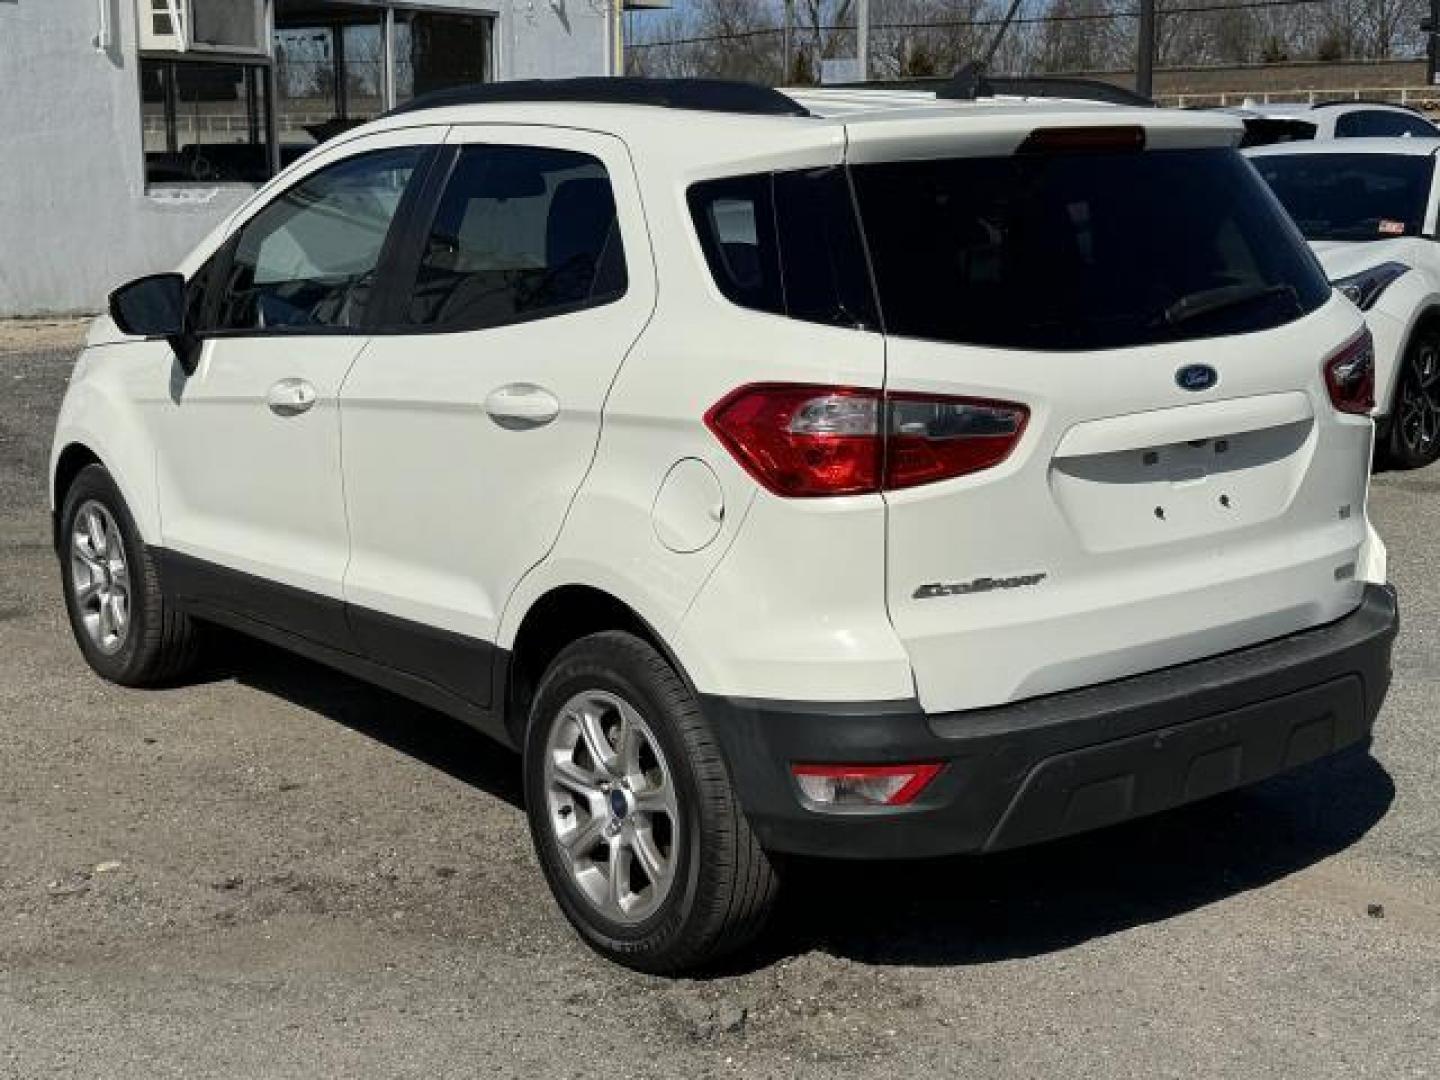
<point>278,871</point>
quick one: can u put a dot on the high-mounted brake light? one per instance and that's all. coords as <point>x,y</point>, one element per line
<point>804,441</point>
<point>1350,375</point>
<point>832,786</point>
<point>1080,140</point>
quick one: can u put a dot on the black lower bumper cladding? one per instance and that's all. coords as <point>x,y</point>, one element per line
<point>1068,762</point>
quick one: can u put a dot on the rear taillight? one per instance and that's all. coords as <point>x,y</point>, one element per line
<point>840,786</point>
<point>1350,375</point>
<point>807,441</point>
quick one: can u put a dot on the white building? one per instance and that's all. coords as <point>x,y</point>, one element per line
<point>129,128</point>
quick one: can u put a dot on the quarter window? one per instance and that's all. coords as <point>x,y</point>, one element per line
<point>520,233</point>
<point>309,258</point>
<point>787,243</point>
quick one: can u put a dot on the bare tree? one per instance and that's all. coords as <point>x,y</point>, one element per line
<point>743,38</point>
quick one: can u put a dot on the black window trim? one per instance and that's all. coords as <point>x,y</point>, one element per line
<point>396,239</point>
<point>411,249</point>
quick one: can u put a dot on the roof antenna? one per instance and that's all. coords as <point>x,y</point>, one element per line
<point>969,82</point>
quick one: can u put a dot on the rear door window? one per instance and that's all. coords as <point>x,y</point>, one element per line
<point>1071,251</point>
<point>520,233</point>
<point>1351,196</point>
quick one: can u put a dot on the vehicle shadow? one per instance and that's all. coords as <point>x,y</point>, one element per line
<point>938,912</point>
<point>439,741</point>
<point>1023,903</point>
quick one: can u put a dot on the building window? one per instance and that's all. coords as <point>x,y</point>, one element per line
<point>329,77</point>
<point>337,65</point>
<point>435,51</point>
<point>204,122</point>
<point>331,72</point>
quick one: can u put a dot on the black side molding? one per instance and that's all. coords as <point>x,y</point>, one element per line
<point>461,676</point>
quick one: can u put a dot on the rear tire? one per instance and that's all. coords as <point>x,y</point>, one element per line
<point>1414,440</point>
<point>658,801</point>
<point>127,630</point>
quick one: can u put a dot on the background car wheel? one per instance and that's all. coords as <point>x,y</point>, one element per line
<point>122,622</point>
<point>632,813</point>
<point>1415,417</point>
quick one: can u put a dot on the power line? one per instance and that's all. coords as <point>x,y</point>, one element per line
<point>1097,16</point>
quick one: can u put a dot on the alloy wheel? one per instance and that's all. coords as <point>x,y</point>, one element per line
<point>612,807</point>
<point>100,576</point>
<point>1419,413</point>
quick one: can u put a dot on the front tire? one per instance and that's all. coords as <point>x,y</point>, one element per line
<point>1415,419</point>
<point>127,630</point>
<point>633,817</point>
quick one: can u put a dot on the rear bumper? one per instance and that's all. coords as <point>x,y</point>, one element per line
<point>1068,762</point>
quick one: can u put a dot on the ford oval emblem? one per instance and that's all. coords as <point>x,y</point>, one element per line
<point>1196,377</point>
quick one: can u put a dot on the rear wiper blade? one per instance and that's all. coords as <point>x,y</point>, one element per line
<point>1210,301</point>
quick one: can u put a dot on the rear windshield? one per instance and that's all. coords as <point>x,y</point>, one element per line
<point>1351,196</point>
<point>1082,251</point>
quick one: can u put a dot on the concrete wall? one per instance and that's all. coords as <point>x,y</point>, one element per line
<point>1295,81</point>
<point>75,217</point>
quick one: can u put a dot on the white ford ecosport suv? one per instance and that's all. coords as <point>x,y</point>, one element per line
<point>889,477</point>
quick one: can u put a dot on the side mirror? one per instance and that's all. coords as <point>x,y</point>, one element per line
<point>152,307</point>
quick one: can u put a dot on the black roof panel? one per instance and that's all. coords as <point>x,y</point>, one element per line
<point>705,95</point>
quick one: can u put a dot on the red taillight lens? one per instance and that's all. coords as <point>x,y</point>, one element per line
<point>803,440</point>
<point>941,438</point>
<point>863,785</point>
<point>1350,375</point>
<point>807,441</point>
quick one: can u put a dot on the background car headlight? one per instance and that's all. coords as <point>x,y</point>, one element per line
<point>1364,288</point>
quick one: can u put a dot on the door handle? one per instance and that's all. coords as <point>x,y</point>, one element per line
<point>290,397</point>
<point>521,406</point>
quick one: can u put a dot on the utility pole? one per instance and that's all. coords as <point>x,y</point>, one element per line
<point>1145,51</point>
<point>787,43</point>
<point>615,16</point>
<point>1431,28</point>
<point>862,37</point>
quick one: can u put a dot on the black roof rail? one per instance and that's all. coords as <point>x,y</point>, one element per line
<point>1363,101</point>
<point>969,83</point>
<point>704,95</point>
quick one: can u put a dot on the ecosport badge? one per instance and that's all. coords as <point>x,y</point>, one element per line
<point>979,585</point>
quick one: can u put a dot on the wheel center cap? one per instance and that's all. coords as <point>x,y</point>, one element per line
<point>619,804</point>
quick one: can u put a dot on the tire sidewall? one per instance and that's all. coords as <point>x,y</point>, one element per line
<point>574,673</point>
<point>94,484</point>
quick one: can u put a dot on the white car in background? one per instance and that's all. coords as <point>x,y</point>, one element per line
<point>1282,122</point>
<point>1368,208</point>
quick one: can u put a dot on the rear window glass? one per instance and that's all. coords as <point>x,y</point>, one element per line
<point>787,243</point>
<point>1351,196</point>
<point>1082,251</point>
<point>1382,123</point>
<point>1266,131</point>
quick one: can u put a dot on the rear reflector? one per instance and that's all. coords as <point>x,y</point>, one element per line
<point>1081,140</point>
<point>1350,375</point>
<point>863,785</point>
<point>806,441</point>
